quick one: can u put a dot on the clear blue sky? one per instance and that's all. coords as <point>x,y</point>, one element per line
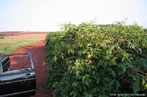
<point>47,15</point>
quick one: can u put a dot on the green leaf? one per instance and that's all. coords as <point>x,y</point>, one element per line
<point>117,84</point>
<point>107,79</point>
<point>86,79</point>
<point>97,80</point>
<point>140,50</point>
<point>73,94</point>
<point>136,85</point>
<point>144,63</point>
<point>143,81</point>
<point>77,73</point>
<point>123,67</point>
<point>111,82</point>
<point>113,73</point>
<point>88,45</point>
<point>90,95</point>
<point>74,84</point>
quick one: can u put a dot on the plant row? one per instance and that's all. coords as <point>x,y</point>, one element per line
<point>90,60</point>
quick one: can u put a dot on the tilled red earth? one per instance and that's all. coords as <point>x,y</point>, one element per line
<point>41,67</point>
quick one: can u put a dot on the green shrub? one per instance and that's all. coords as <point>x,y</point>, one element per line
<point>1,36</point>
<point>92,60</point>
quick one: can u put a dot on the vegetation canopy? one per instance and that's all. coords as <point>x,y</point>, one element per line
<point>90,60</point>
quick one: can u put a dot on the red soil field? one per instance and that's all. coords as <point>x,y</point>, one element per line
<point>38,53</point>
<point>21,32</point>
<point>17,35</point>
<point>10,32</point>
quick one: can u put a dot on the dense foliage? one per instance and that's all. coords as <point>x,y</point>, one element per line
<point>92,60</point>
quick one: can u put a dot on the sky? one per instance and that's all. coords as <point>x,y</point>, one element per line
<point>48,15</point>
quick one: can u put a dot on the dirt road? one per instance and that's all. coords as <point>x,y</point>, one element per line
<point>41,67</point>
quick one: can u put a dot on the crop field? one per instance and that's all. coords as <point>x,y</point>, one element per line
<point>9,46</point>
<point>90,60</point>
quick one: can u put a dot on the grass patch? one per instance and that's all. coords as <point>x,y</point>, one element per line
<point>9,46</point>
